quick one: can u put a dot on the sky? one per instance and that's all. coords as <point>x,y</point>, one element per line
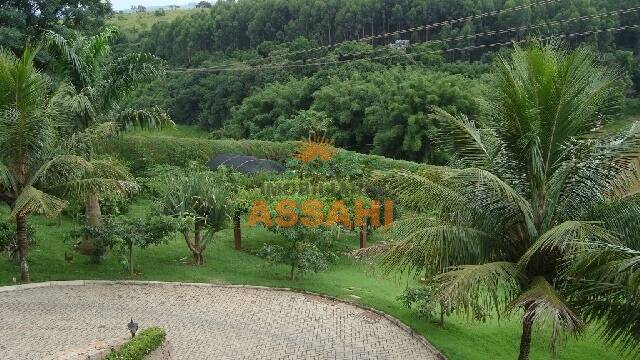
<point>126,4</point>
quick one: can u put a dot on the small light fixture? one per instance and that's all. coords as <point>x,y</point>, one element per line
<point>133,327</point>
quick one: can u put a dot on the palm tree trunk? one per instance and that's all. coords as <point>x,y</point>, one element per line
<point>525,339</point>
<point>237,234</point>
<point>23,246</point>
<point>92,212</point>
<point>93,217</point>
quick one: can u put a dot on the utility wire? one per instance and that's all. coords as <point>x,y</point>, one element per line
<point>457,49</point>
<point>456,38</point>
<point>403,31</point>
<point>403,54</point>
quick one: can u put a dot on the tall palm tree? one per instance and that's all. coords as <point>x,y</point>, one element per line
<point>100,83</point>
<point>491,230</point>
<point>35,165</point>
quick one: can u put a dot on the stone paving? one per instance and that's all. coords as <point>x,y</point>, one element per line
<point>202,322</point>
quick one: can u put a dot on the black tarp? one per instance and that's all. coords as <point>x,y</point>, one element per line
<point>245,164</point>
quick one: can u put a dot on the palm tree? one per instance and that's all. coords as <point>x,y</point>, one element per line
<point>100,83</point>
<point>199,203</point>
<point>35,165</point>
<point>492,229</point>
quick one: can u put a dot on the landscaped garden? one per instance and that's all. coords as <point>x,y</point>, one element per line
<point>496,213</point>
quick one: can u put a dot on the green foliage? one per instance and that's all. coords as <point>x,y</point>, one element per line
<point>303,249</point>
<point>420,300</point>
<point>365,112</point>
<point>140,346</point>
<point>198,200</point>
<point>245,24</point>
<point>143,152</point>
<point>531,181</point>
<point>8,240</point>
<point>23,20</point>
<point>121,234</point>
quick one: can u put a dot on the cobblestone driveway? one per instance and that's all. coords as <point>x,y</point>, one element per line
<point>202,322</point>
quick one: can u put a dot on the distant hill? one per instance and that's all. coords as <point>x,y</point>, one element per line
<point>132,23</point>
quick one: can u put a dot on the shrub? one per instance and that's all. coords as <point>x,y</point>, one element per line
<point>140,346</point>
<point>143,152</point>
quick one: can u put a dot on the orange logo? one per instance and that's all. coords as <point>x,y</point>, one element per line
<point>315,147</point>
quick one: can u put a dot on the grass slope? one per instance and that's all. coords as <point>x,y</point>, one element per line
<point>351,281</point>
<point>131,24</point>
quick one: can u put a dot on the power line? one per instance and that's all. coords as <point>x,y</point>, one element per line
<point>403,31</point>
<point>458,49</point>
<point>470,36</point>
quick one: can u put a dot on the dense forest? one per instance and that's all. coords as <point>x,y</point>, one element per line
<point>257,77</point>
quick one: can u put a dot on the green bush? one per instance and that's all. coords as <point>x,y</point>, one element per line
<point>140,346</point>
<point>8,241</point>
<point>143,152</point>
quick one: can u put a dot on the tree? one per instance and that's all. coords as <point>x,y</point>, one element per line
<point>100,83</point>
<point>203,5</point>
<point>490,231</point>
<point>198,201</point>
<point>122,234</point>
<point>21,20</point>
<point>34,164</point>
<point>303,249</point>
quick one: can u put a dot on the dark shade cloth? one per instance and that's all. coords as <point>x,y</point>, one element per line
<point>245,164</point>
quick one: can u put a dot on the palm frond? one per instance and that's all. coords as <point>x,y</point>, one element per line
<point>7,181</point>
<point>124,74</point>
<point>542,303</point>
<point>152,118</point>
<point>493,193</point>
<point>460,136</point>
<point>491,285</point>
<point>98,46</point>
<point>421,243</point>
<point>77,63</point>
<point>568,237</point>
<point>434,194</point>
<point>34,201</point>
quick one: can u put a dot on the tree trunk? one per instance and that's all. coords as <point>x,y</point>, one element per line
<point>237,234</point>
<point>198,249</point>
<point>363,237</point>
<point>525,339</point>
<point>23,246</point>
<point>442,314</point>
<point>92,212</point>
<point>198,257</point>
<point>293,271</point>
<point>93,217</point>
<point>131,259</point>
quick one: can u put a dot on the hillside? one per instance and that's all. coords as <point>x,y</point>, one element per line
<point>131,24</point>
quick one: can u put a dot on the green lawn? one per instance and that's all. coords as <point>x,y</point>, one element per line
<point>347,280</point>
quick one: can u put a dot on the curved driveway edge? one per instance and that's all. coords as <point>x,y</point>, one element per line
<point>313,337</point>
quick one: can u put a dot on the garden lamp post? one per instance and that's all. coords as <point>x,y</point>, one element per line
<point>133,327</point>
